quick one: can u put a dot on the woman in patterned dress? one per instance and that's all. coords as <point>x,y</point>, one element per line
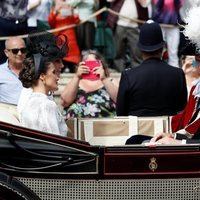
<point>91,92</point>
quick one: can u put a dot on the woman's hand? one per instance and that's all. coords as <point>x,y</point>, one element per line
<point>82,69</point>
<point>57,7</point>
<point>100,72</point>
<point>69,93</point>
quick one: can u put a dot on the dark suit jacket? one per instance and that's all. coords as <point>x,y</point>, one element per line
<point>154,88</point>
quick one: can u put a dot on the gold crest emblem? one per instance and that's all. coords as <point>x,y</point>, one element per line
<point>153,165</point>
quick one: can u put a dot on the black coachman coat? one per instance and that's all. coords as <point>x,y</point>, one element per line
<point>154,88</point>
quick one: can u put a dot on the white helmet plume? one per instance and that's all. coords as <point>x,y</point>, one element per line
<point>192,27</point>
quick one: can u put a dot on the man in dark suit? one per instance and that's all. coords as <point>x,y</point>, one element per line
<point>154,88</point>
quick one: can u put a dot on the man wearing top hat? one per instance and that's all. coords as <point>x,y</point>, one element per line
<point>154,88</point>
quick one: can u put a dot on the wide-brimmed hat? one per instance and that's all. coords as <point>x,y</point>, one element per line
<point>150,38</point>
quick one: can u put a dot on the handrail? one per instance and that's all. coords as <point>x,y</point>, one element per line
<point>104,9</point>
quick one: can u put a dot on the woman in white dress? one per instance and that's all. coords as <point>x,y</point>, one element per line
<point>36,109</point>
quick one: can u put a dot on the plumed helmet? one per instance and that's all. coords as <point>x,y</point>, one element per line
<point>192,32</point>
<point>150,37</point>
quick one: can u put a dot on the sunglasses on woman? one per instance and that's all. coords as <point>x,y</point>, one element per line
<point>16,50</point>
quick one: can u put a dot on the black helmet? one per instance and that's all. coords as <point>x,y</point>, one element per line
<point>150,38</point>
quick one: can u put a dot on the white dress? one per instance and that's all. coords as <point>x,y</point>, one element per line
<point>38,112</point>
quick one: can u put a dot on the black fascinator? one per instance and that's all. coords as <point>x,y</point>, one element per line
<point>45,46</point>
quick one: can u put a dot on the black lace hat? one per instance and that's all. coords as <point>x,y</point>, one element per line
<point>45,46</point>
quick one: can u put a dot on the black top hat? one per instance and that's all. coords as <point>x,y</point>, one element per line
<point>150,38</point>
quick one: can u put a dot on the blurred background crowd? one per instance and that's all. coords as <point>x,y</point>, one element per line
<point>88,25</point>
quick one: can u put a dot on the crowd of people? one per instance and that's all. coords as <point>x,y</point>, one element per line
<point>150,85</point>
<point>27,16</point>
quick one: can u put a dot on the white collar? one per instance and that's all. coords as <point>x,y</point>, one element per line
<point>196,91</point>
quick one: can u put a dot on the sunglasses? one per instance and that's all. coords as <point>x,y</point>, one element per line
<point>16,51</point>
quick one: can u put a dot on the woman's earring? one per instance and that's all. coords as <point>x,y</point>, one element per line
<point>50,93</point>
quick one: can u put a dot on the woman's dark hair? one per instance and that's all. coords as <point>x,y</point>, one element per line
<point>28,75</point>
<point>98,56</point>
